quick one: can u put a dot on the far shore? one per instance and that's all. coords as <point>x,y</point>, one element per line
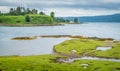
<point>31,24</point>
<point>60,36</point>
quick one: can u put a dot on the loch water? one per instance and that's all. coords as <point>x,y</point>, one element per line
<point>45,45</point>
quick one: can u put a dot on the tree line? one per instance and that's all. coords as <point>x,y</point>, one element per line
<point>25,11</point>
<point>22,11</point>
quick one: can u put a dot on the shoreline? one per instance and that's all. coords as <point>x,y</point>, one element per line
<point>72,56</point>
<point>69,36</point>
<point>81,37</point>
<point>62,36</point>
<point>12,25</point>
<point>107,42</point>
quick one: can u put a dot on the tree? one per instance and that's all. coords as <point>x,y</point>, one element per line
<point>67,20</point>
<point>52,14</point>
<point>23,11</point>
<point>12,11</point>
<point>28,11</point>
<point>18,10</point>
<point>0,13</point>
<point>76,20</point>
<point>42,13</point>
<point>27,18</point>
<point>59,20</point>
<point>34,11</point>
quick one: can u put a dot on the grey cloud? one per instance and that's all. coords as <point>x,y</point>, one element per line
<point>85,4</point>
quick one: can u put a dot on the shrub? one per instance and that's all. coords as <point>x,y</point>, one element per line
<point>0,21</point>
<point>41,19</point>
<point>18,21</point>
<point>27,18</point>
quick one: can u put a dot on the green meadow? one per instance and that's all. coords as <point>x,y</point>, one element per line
<point>47,63</point>
<point>88,47</point>
<point>34,19</point>
<point>50,63</point>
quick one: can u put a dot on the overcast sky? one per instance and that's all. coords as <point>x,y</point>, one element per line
<point>66,7</point>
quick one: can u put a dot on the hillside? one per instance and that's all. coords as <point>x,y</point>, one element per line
<point>34,19</point>
<point>102,18</point>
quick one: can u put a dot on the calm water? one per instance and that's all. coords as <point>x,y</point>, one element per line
<point>45,45</point>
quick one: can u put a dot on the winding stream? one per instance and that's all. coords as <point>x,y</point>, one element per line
<point>87,57</point>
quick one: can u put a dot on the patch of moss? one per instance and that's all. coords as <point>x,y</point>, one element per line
<point>46,63</point>
<point>88,47</point>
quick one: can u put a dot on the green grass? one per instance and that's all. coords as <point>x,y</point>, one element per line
<point>12,19</point>
<point>46,63</point>
<point>112,53</point>
<point>88,47</point>
<point>35,19</point>
<point>42,19</point>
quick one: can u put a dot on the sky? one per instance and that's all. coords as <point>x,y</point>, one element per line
<point>65,8</point>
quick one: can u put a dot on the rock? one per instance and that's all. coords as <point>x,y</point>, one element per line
<point>85,65</point>
<point>60,60</point>
<point>73,51</point>
<point>103,48</point>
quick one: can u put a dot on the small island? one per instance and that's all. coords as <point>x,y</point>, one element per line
<point>89,47</point>
<point>21,16</point>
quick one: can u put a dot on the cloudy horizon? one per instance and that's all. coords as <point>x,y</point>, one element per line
<point>66,7</point>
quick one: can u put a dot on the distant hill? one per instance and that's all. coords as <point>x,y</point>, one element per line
<point>102,18</point>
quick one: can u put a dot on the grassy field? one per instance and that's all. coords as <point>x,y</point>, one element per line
<point>47,63</point>
<point>88,47</point>
<point>43,19</point>
<point>50,62</point>
<point>34,19</point>
<point>12,19</point>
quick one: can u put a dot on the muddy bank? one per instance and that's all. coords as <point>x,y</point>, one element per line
<point>24,38</point>
<point>60,36</point>
<point>81,37</point>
